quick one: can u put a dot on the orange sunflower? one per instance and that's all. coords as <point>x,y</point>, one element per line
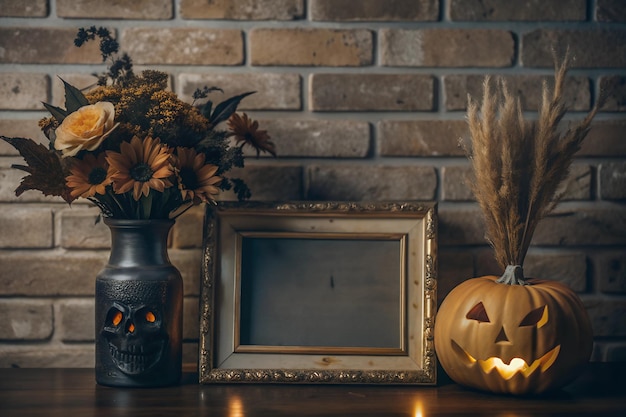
<point>197,180</point>
<point>141,166</point>
<point>90,176</point>
<point>247,131</point>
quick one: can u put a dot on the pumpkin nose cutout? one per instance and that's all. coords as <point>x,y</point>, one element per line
<point>501,338</point>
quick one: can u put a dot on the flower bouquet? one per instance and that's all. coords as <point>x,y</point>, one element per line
<point>133,148</point>
<point>143,156</point>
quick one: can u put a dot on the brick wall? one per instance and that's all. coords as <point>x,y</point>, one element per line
<point>364,99</point>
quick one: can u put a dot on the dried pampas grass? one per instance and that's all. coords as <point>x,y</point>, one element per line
<point>519,164</point>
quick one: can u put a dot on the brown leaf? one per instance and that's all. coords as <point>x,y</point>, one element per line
<point>47,170</point>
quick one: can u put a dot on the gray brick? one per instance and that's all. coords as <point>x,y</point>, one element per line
<point>76,322</point>
<point>446,48</point>
<point>455,266</point>
<point>571,225</point>
<point>48,356</point>
<point>528,10</point>
<point>96,9</point>
<point>242,9</point>
<point>528,88</point>
<point>187,232</point>
<point>18,128</point>
<point>311,47</point>
<point>613,11</point>
<point>485,263</point>
<point>50,273</point>
<point>371,183</point>
<point>269,182</point>
<point>374,10</point>
<point>319,138</point>
<point>22,91</point>
<point>456,183</point>
<point>191,318</point>
<point>568,268</point>
<point>190,355</point>
<point>26,320</point>
<point>606,138</point>
<point>607,316</point>
<point>613,180</point>
<point>273,91</point>
<point>421,137</point>
<point>615,88</point>
<point>21,8</point>
<point>25,227</point>
<point>188,262</point>
<point>371,92</point>
<point>461,225</point>
<point>610,273</point>
<point>32,45</point>
<point>188,46</point>
<point>592,48</point>
<point>79,229</point>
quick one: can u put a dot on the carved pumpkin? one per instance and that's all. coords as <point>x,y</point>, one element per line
<point>514,339</point>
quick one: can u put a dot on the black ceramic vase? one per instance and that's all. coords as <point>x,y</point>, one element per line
<point>139,308</point>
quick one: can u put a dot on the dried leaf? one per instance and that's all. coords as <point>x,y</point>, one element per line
<point>226,108</point>
<point>56,112</point>
<point>74,98</point>
<point>47,170</point>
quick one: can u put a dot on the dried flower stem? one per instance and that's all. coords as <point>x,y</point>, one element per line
<point>519,164</point>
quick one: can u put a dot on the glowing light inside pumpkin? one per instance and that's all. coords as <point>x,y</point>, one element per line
<point>517,365</point>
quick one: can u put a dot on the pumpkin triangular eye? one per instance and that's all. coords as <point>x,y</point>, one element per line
<point>538,316</point>
<point>478,313</point>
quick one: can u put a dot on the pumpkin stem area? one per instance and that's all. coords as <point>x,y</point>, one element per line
<point>513,275</point>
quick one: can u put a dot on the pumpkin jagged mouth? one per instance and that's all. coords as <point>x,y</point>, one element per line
<point>515,366</point>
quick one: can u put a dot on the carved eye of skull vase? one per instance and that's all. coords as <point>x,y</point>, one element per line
<point>138,308</point>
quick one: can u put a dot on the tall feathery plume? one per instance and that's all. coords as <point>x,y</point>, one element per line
<point>518,164</point>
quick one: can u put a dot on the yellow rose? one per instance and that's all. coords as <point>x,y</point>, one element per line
<point>86,128</point>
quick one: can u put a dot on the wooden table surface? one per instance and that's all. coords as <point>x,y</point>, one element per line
<point>600,391</point>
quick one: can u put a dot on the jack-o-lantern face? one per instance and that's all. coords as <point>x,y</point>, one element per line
<point>512,338</point>
<point>536,318</point>
<point>135,336</point>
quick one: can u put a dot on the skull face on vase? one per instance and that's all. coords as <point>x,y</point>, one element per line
<point>137,331</point>
<point>136,336</point>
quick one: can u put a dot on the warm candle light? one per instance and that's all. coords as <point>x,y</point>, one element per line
<point>235,407</point>
<point>418,409</point>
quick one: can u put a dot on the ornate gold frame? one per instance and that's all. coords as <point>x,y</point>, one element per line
<point>223,360</point>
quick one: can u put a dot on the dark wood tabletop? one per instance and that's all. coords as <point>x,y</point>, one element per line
<point>600,391</point>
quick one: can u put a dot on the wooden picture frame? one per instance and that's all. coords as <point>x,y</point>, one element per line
<point>319,292</point>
